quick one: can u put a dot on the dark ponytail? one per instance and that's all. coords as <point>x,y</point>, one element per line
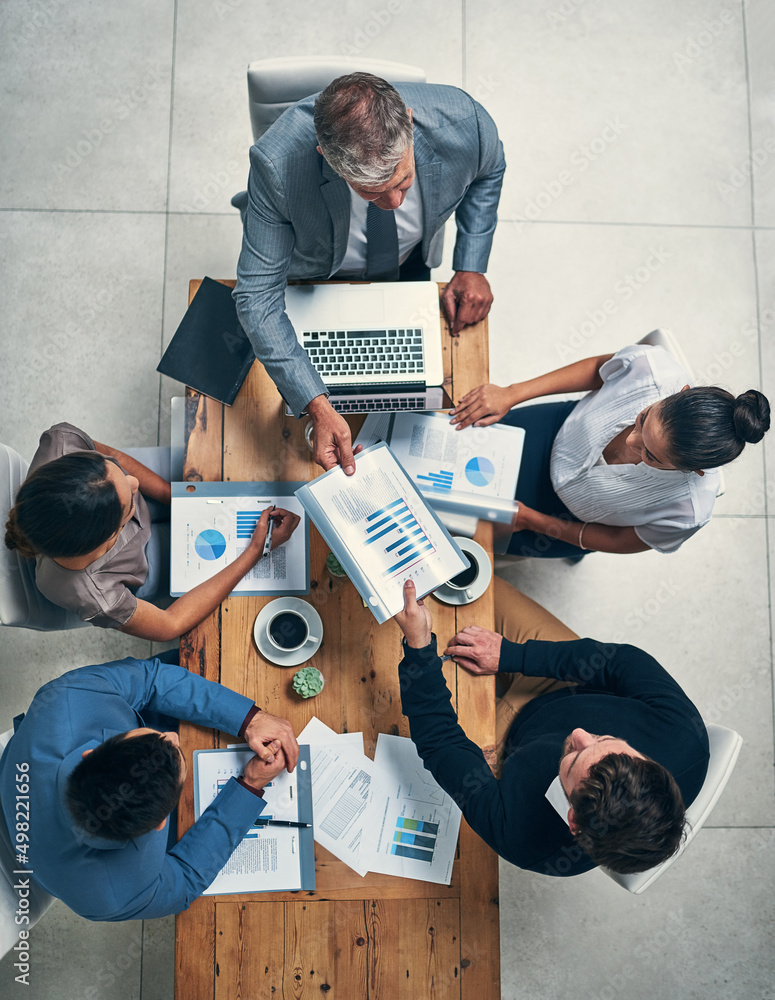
<point>65,508</point>
<point>706,426</point>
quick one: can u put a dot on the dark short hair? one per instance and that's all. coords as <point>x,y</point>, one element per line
<point>363,127</point>
<point>630,813</point>
<point>125,787</point>
<point>65,508</point>
<point>707,426</point>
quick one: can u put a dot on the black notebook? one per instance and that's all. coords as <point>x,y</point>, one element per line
<point>210,351</point>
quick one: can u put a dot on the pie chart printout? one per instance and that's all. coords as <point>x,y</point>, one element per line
<point>480,471</point>
<point>210,544</point>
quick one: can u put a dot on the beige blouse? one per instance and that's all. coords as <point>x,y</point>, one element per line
<point>102,593</point>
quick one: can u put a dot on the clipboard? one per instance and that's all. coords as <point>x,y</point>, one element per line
<point>211,523</point>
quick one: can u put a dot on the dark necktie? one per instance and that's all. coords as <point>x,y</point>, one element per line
<point>381,245</point>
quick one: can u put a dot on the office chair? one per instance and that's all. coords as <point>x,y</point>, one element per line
<point>21,603</point>
<point>38,898</point>
<point>725,747</point>
<point>276,84</point>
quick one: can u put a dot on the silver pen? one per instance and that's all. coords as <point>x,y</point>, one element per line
<point>268,542</point>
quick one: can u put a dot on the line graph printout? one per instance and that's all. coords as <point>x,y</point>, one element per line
<point>482,460</point>
<point>209,531</point>
<point>412,823</point>
<point>381,530</point>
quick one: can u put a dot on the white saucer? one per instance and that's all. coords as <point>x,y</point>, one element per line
<point>296,656</point>
<point>447,595</point>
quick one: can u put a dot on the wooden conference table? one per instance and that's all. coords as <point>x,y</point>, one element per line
<point>378,937</point>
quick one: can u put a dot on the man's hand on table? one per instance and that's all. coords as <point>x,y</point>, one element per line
<point>415,620</point>
<point>270,737</point>
<point>466,300</point>
<point>332,438</point>
<point>477,649</point>
<point>258,773</point>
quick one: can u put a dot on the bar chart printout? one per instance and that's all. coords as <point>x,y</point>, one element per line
<point>414,838</point>
<point>381,530</point>
<point>407,540</point>
<point>412,823</point>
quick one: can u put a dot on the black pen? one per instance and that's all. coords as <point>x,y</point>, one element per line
<point>268,542</point>
<point>279,822</point>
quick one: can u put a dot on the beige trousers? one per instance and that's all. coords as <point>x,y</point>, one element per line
<point>519,618</point>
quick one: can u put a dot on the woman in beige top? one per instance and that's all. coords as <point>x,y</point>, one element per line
<point>81,514</point>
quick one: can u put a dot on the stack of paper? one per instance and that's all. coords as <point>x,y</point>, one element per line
<point>387,815</point>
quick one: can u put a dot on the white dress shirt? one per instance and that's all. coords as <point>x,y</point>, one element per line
<point>408,226</point>
<point>664,506</point>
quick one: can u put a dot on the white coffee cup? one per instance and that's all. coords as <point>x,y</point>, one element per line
<point>288,630</point>
<point>462,582</point>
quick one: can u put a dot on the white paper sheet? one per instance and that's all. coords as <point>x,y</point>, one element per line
<point>341,781</point>
<point>477,460</point>
<point>267,858</point>
<point>387,533</point>
<point>209,533</point>
<point>411,826</point>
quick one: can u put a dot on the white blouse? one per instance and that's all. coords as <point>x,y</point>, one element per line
<point>664,506</point>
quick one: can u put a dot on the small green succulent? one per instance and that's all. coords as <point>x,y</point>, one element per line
<point>333,566</point>
<point>308,682</point>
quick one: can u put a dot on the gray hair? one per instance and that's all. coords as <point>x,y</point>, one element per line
<point>363,128</point>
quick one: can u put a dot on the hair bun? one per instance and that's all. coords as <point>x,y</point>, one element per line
<point>751,416</point>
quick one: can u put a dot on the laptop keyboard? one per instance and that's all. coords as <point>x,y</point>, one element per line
<point>368,404</point>
<point>366,352</point>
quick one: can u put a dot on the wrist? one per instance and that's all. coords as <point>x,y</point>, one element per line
<point>319,406</point>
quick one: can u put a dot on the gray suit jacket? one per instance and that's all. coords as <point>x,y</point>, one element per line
<point>298,216</point>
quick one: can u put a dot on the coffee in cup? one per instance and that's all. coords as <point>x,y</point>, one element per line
<point>288,631</point>
<point>465,579</point>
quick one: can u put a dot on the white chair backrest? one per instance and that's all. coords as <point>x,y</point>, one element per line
<point>276,84</point>
<point>39,900</point>
<point>21,603</point>
<point>724,750</point>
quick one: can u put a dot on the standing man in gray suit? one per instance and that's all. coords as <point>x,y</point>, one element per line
<point>419,153</point>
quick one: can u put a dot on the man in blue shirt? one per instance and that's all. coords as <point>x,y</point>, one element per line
<point>102,784</point>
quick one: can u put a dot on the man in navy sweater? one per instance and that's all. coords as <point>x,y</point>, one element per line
<point>632,748</point>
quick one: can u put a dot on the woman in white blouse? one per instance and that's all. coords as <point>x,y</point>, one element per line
<point>632,466</point>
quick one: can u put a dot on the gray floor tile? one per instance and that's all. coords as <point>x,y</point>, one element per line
<point>760,164</point>
<point>765,259</point>
<point>703,613</point>
<point>606,91</point>
<point>215,43</point>
<point>76,959</point>
<point>197,246</point>
<point>87,103</point>
<point>703,932</point>
<point>29,659</point>
<point>158,959</point>
<point>82,322</point>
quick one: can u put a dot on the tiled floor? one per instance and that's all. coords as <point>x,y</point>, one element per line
<point>640,140</point>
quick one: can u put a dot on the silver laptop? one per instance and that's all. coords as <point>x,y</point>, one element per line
<point>376,346</point>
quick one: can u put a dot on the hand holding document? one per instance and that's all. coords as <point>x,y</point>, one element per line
<point>381,530</point>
